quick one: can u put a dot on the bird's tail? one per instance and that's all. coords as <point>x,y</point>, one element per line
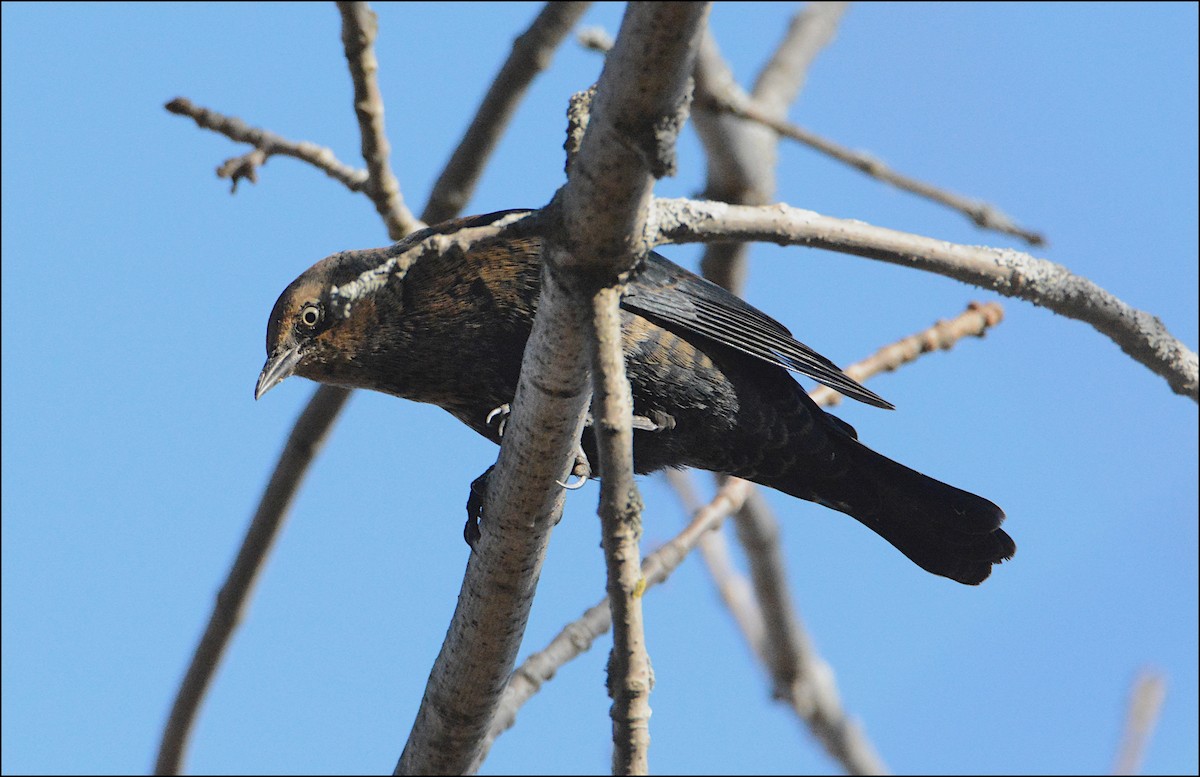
<point>943,529</point>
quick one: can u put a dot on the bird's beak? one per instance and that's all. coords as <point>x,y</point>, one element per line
<point>280,365</point>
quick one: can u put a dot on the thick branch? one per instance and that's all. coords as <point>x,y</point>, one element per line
<point>577,637</point>
<point>640,105</point>
<point>1011,273</point>
<point>522,504</point>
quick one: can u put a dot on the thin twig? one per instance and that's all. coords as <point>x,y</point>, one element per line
<point>309,433</point>
<point>532,52</point>
<point>984,215</point>
<point>942,336</point>
<point>1145,702</point>
<point>359,28</point>
<point>630,677</point>
<point>268,144</point>
<point>1014,274</point>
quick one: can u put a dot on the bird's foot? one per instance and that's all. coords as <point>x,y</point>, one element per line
<point>475,499</point>
<point>499,416</point>
<point>656,421</point>
<point>581,469</point>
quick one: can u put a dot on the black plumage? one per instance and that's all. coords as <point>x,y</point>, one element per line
<point>708,373</point>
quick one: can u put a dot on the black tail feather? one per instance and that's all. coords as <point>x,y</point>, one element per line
<point>943,529</point>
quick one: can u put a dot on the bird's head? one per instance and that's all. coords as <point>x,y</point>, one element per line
<point>313,332</point>
<point>429,318</point>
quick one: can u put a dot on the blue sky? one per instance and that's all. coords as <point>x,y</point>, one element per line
<point>135,299</point>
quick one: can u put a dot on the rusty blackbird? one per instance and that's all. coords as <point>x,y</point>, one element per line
<point>709,377</point>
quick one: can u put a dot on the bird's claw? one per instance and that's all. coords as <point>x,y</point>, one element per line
<point>582,469</point>
<point>504,411</point>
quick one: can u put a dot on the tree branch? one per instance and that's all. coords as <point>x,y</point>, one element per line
<point>630,677</point>
<point>638,108</point>
<point>268,144</point>
<point>522,503</point>
<point>303,444</point>
<point>531,53</point>
<point>632,98</point>
<point>1145,702</point>
<point>359,27</point>
<point>1011,273</point>
<point>984,215</point>
<point>577,637</point>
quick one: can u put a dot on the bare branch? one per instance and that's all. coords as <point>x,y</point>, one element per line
<point>1145,702</point>
<point>268,143</point>
<point>1011,273</point>
<point>359,27</point>
<point>522,504</point>
<point>741,155</point>
<point>800,676</point>
<point>983,214</point>
<point>548,410</point>
<point>810,31</point>
<point>531,53</point>
<point>640,105</point>
<point>576,638</point>
<point>630,677</point>
<point>942,336</point>
<point>302,446</point>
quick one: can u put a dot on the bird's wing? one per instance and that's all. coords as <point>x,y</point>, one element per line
<point>667,294</point>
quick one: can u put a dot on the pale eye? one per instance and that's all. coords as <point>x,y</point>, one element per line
<point>310,315</point>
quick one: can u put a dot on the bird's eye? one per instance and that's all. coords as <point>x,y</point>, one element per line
<point>311,315</point>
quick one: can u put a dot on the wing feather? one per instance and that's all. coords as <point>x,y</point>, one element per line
<point>671,295</point>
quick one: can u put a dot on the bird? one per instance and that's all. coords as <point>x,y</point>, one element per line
<point>710,377</point>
